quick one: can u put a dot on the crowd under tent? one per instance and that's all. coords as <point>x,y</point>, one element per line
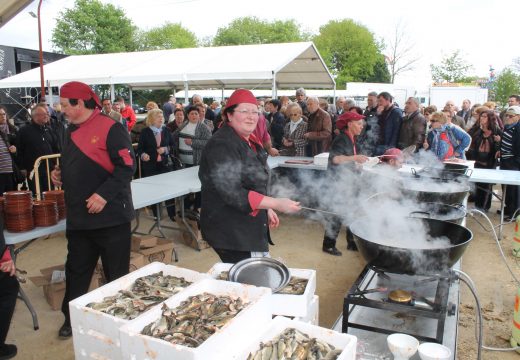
<point>267,66</point>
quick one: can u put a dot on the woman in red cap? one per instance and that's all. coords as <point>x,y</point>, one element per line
<point>236,214</point>
<point>342,153</point>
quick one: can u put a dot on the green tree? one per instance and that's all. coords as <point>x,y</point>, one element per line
<point>167,36</point>
<point>251,30</point>
<point>351,52</point>
<point>506,84</point>
<point>92,27</point>
<point>381,73</point>
<point>453,68</point>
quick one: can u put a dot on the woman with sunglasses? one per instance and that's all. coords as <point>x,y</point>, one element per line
<point>446,141</point>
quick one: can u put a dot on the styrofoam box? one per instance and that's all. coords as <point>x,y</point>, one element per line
<point>313,316</point>
<point>96,334</point>
<point>296,305</point>
<point>321,159</point>
<point>224,344</point>
<point>216,269</point>
<point>286,305</point>
<point>345,342</point>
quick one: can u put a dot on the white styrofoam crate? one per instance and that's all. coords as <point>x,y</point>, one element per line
<point>321,159</point>
<point>345,342</point>
<point>296,305</point>
<point>226,342</point>
<point>216,269</point>
<point>92,326</point>
<point>313,316</point>
<point>286,305</point>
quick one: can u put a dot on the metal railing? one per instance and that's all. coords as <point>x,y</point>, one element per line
<point>35,173</point>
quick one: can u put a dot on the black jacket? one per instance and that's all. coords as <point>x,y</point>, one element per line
<point>229,169</point>
<point>97,158</point>
<point>148,144</point>
<point>33,141</point>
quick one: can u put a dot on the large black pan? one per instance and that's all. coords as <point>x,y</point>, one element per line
<point>412,261</point>
<point>448,172</point>
<point>421,191</point>
<point>437,211</point>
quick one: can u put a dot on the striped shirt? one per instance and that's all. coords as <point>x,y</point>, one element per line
<point>506,146</point>
<point>6,163</point>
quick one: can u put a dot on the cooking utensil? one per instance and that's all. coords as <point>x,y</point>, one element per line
<point>322,211</point>
<point>403,260</point>
<point>262,271</point>
<point>408,151</point>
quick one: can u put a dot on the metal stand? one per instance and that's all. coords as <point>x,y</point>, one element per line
<point>21,294</point>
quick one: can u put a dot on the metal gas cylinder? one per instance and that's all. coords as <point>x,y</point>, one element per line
<point>516,238</point>
<point>515,336</point>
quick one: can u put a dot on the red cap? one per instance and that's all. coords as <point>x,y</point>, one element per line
<point>347,117</point>
<point>392,153</point>
<point>240,96</point>
<point>78,90</point>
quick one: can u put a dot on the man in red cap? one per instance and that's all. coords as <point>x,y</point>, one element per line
<point>342,154</point>
<point>96,168</point>
<point>236,214</point>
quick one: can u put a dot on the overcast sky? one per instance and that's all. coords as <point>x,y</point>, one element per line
<point>486,32</point>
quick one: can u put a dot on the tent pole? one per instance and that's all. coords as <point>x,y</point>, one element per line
<point>334,100</point>
<point>50,101</point>
<point>186,95</point>
<point>274,85</point>
<point>222,96</point>
<point>112,93</point>
<point>130,96</point>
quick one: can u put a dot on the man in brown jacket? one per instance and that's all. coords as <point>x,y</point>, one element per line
<point>413,127</point>
<point>319,128</point>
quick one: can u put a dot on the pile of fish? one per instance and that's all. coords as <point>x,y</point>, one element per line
<point>195,319</point>
<point>146,292</point>
<point>293,344</point>
<point>296,286</point>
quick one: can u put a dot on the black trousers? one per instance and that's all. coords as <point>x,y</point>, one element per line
<point>84,249</point>
<point>7,182</point>
<point>483,195</point>
<point>512,201</point>
<point>232,256</point>
<point>332,229</point>
<point>8,293</point>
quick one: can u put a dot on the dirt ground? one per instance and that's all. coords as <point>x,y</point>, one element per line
<point>298,244</point>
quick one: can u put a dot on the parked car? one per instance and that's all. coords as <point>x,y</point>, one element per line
<point>138,109</point>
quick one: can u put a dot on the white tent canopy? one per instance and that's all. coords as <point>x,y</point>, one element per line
<point>268,66</point>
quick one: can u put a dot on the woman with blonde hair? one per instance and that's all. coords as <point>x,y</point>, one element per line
<point>155,145</point>
<point>293,140</point>
<point>446,141</point>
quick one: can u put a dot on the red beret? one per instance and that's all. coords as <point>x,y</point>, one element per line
<point>78,90</point>
<point>240,96</point>
<point>347,117</point>
<point>392,153</point>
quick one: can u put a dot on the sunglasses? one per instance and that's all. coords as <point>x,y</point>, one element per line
<point>294,114</point>
<point>510,115</point>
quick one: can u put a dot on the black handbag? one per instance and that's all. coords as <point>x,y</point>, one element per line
<point>176,163</point>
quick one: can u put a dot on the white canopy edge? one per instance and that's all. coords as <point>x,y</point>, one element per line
<point>290,65</point>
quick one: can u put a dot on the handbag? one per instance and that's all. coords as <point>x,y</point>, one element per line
<point>176,163</point>
<point>18,177</point>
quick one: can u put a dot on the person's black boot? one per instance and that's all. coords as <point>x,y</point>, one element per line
<point>8,351</point>
<point>332,250</point>
<point>65,331</point>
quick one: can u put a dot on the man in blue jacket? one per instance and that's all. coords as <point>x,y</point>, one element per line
<point>389,122</point>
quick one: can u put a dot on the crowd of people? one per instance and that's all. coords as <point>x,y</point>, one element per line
<point>230,141</point>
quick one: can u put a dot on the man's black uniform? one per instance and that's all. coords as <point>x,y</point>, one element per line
<point>97,158</point>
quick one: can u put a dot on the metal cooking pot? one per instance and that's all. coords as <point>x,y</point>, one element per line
<point>420,191</point>
<point>437,211</point>
<point>412,261</point>
<point>447,173</point>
